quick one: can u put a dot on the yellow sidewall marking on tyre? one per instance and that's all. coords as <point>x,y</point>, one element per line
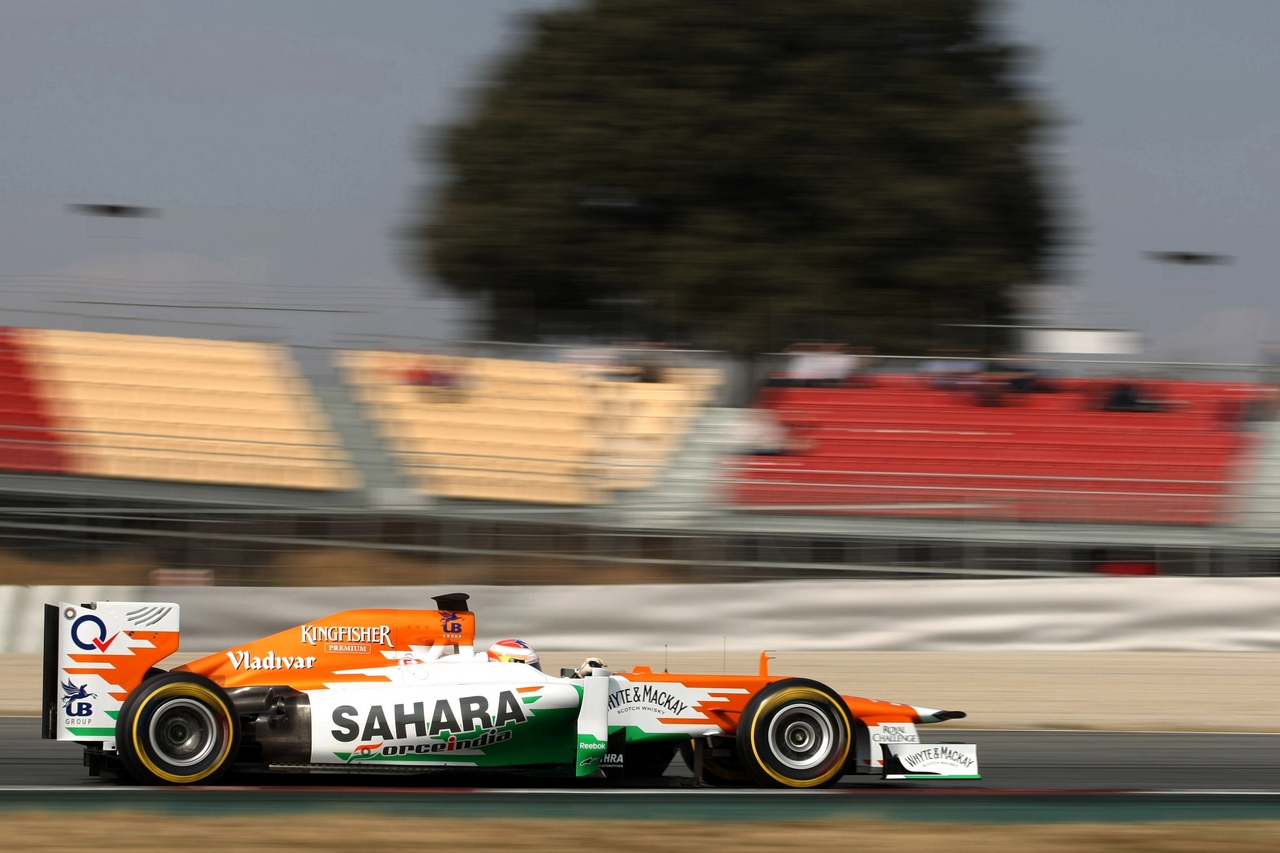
<point>812,695</point>
<point>189,691</point>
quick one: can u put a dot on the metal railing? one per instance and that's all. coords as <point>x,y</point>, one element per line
<point>80,541</point>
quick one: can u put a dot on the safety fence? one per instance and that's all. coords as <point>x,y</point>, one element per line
<point>83,541</point>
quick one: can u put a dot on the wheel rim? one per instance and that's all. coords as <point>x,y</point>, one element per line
<point>183,732</point>
<point>801,736</point>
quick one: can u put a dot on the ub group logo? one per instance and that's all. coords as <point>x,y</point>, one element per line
<point>74,699</point>
<point>450,625</point>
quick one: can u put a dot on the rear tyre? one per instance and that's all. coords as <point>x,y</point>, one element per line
<point>795,734</point>
<point>177,729</point>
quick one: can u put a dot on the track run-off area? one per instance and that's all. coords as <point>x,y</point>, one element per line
<point>1028,777</point>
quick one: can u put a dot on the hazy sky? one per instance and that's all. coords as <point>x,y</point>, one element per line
<point>278,138</point>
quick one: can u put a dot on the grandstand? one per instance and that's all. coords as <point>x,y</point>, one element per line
<point>153,408</point>
<point>206,456</point>
<point>903,448</point>
<point>524,431</point>
<point>146,408</point>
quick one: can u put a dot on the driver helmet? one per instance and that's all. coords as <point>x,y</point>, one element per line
<point>514,651</point>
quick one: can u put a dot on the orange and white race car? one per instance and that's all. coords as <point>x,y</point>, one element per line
<point>404,691</point>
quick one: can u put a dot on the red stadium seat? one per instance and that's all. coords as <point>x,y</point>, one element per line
<point>28,441</point>
<point>900,448</point>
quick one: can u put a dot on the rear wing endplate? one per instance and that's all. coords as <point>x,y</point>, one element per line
<point>95,654</point>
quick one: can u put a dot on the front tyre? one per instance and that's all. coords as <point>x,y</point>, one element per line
<point>178,728</point>
<point>795,734</point>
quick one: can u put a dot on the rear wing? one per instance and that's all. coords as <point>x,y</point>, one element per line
<point>95,654</point>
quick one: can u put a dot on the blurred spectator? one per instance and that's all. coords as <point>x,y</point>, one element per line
<point>604,362</point>
<point>992,385</point>
<point>420,376</point>
<point>1263,407</point>
<point>433,374</point>
<point>990,388</point>
<point>623,362</point>
<point>818,366</point>
<point>1025,379</point>
<point>1127,396</point>
<point>650,363</point>
<point>859,375</point>
<point>951,373</point>
<point>760,433</point>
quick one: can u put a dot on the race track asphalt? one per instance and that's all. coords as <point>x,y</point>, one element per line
<point>1009,760</point>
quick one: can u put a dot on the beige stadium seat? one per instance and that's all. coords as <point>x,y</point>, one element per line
<point>525,431</point>
<point>167,408</point>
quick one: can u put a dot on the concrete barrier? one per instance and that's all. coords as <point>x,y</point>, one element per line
<point>1045,614</point>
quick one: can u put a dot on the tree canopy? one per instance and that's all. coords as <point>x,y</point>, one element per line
<point>740,174</point>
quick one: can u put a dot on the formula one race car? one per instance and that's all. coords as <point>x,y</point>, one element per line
<point>403,691</point>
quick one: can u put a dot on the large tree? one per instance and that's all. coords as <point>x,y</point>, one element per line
<point>743,173</point>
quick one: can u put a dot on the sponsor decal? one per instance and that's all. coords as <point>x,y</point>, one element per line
<point>364,750</point>
<point>919,759</point>
<point>647,696</point>
<point>933,761</point>
<point>448,717</point>
<point>377,635</point>
<point>895,733</point>
<point>453,744</point>
<point>452,725</point>
<point>347,648</point>
<point>450,625</point>
<point>96,634</point>
<point>74,699</point>
<point>271,660</point>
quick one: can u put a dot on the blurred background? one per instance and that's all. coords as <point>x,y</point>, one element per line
<point>632,291</point>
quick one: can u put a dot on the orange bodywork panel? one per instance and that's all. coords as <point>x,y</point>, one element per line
<point>334,648</point>
<point>727,712</point>
<point>874,711</point>
<point>129,668</point>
